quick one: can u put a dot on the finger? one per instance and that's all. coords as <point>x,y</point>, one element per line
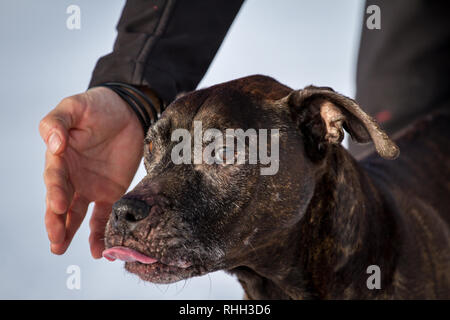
<point>75,217</point>
<point>97,224</point>
<point>56,226</point>
<point>54,127</point>
<point>59,188</point>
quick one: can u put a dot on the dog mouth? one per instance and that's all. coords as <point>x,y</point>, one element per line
<point>127,255</point>
<point>150,268</point>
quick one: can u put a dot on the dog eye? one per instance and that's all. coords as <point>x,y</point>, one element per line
<point>219,154</point>
<point>222,155</point>
<point>150,146</point>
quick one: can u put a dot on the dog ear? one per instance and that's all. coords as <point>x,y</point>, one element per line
<point>324,113</point>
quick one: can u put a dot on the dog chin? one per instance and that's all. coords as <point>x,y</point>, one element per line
<point>162,273</point>
<point>154,267</point>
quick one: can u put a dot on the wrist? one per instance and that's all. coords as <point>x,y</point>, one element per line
<point>107,100</point>
<point>155,107</point>
<point>145,103</point>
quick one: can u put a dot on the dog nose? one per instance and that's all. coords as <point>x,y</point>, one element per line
<point>129,211</point>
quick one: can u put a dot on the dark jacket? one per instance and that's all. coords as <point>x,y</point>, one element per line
<point>403,68</point>
<point>166,45</point>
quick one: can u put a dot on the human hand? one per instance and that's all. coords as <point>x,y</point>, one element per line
<point>94,147</point>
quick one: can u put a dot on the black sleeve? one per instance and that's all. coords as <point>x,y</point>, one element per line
<point>166,45</point>
<point>403,68</point>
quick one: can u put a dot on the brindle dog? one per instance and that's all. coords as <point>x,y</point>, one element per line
<point>309,231</point>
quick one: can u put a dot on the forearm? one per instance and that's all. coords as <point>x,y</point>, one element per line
<point>166,45</point>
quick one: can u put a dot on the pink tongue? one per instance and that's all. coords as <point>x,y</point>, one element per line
<point>126,254</point>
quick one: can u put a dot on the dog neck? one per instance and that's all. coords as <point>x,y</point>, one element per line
<point>346,228</point>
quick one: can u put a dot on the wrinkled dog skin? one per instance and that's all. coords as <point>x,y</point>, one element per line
<point>312,229</point>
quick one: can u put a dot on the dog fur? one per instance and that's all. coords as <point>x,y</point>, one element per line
<point>311,230</point>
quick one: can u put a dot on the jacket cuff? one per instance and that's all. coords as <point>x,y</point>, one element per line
<point>118,69</point>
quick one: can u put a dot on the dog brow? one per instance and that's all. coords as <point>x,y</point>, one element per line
<point>158,129</point>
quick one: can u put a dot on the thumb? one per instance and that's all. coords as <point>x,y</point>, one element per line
<point>54,130</point>
<point>55,142</point>
<point>54,127</point>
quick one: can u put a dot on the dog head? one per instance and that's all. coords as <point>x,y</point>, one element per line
<point>190,216</point>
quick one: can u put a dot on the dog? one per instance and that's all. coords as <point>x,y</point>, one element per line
<point>313,230</point>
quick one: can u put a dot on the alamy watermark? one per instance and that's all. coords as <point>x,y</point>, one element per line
<point>212,146</point>
<point>373,21</point>
<point>73,21</point>
<point>73,281</point>
<point>374,281</point>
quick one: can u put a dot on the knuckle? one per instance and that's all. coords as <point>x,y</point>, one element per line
<point>75,100</point>
<point>48,124</point>
<point>54,175</point>
<point>43,125</point>
<point>96,224</point>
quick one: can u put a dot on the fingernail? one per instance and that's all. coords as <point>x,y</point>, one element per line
<point>54,143</point>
